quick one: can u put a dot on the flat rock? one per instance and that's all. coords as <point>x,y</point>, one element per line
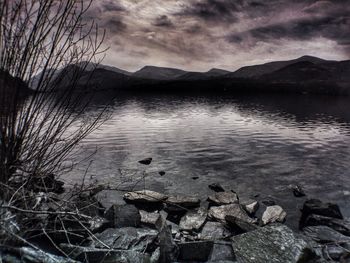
<point>339,225</point>
<point>235,210</point>
<point>123,216</point>
<point>317,207</point>
<point>193,220</point>
<point>271,244</point>
<point>214,231</point>
<point>325,234</point>
<point>222,252</point>
<point>96,255</point>
<point>273,214</point>
<point>145,196</point>
<point>128,238</point>
<point>183,201</point>
<point>149,218</point>
<point>195,251</point>
<point>249,205</point>
<point>223,198</point>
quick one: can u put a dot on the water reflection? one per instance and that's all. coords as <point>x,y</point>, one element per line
<point>251,144</point>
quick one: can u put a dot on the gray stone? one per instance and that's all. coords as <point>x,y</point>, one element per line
<point>214,231</point>
<point>149,219</point>
<point>195,251</point>
<point>240,225</point>
<point>222,252</point>
<point>334,252</point>
<point>98,224</point>
<point>339,225</point>
<point>193,220</point>
<point>325,234</point>
<point>128,238</point>
<point>249,205</point>
<point>169,250</point>
<point>223,198</point>
<point>183,201</point>
<point>123,216</point>
<point>273,214</point>
<point>97,255</point>
<point>145,196</point>
<point>220,213</point>
<point>271,244</point>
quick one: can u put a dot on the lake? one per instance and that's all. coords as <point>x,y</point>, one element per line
<point>252,144</point>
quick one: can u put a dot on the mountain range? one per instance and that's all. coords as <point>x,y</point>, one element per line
<point>306,74</point>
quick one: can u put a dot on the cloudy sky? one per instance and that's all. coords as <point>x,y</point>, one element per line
<point>202,34</point>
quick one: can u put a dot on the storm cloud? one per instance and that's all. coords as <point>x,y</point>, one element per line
<point>201,34</point>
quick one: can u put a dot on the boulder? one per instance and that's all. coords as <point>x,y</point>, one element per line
<point>149,219</point>
<point>214,231</point>
<point>223,198</point>
<point>325,234</point>
<point>123,216</point>
<point>216,187</point>
<point>144,196</point>
<point>273,214</point>
<point>274,244</point>
<point>342,226</point>
<point>128,238</point>
<point>317,207</point>
<point>220,212</point>
<point>249,205</point>
<point>193,220</point>
<point>195,251</point>
<point>97,255</point>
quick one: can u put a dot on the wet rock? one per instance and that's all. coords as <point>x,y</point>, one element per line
<point>235,210</point>
<point>214,231</point>
<point>274,214</point>
<point>97,255</point>
<point>249,205</point>
<point>123,216</point>
<point>183,201</point>
<point>149,219</point>
<point>195,251</point>
<point>216,187</point>
<point>107,198</point>
<point>341,226</point>
<point>128,238</point>
<point>223,198</point>
<point>161,173</point>
<point>317,207</point>
<point>325,234</point>
<point>145,196</point>
<point>274,243</point>
<point>195,178</point>
<point>222,252</point>
<point>240,226</point>
<point>146,161</point>
<point>29,255</point>
<point>297,190</point>
<point>193,220</point>
<point>334,252</point>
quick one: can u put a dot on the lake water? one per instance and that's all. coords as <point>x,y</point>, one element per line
<point>252,144</point>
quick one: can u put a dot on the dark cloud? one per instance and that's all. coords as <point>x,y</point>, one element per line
<point>163,21</point>
<point>214,10</point>
<point>116,25</point>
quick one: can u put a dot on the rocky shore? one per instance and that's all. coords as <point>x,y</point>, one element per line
<point>148,227</point>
